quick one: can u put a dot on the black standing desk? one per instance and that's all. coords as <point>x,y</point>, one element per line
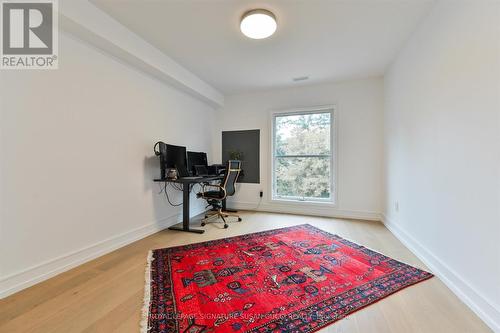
<point>186,189</point>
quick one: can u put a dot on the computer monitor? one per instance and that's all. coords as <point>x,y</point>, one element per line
<point>176,158</point>
<point>196,158</point>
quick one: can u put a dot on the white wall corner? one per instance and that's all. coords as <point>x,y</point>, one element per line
<point>89,23</point>
<point>486,310</point>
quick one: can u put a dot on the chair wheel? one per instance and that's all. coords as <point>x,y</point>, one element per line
<point>203,224</point>
<point>239,219</point>
<point>225,226</point>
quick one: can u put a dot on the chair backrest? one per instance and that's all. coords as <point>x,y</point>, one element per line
<point>232,172</point>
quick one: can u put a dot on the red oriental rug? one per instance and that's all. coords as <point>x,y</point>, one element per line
<point>296,279</point>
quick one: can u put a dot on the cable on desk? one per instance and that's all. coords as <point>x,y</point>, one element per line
<point>176,186</point>
<point>179,187</point>
<point>168,199</point>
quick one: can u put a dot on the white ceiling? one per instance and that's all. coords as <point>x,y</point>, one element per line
<point>327,40</point>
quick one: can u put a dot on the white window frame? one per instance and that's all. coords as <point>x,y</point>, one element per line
<point>332,201</point>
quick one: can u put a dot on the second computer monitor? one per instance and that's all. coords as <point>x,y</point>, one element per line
<point>196,158</point>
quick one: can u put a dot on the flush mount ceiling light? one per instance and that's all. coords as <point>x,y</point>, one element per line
<point>258,24</point>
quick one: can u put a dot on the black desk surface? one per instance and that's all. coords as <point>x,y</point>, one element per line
<point>190,180</point>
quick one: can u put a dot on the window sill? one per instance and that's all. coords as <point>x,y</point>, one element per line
<point>309,203</point>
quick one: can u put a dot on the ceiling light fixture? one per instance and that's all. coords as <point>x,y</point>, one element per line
<point>258,24</point>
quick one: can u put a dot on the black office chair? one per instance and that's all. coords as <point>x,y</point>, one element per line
<point>220,192</point>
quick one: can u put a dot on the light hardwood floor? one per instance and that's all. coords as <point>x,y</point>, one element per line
<point>105,295</point>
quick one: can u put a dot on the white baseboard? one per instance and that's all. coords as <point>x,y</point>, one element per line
<point>487,311</point>
<point>43,271</point>
<point>38,273</point>
<point>315,210</point>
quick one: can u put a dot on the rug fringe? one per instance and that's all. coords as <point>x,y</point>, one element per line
<point>147,294</point>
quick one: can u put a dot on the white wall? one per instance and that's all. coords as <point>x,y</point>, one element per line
<point>88,22</point>
<point>359,123</point>
<point>442,140</point>
<point>76,160</point>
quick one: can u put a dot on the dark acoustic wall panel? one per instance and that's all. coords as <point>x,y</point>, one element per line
<point>243,145</point>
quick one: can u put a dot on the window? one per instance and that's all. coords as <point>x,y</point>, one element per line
<point>302,161</point>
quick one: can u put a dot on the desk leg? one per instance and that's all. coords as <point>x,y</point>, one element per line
<point>185,213</point>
